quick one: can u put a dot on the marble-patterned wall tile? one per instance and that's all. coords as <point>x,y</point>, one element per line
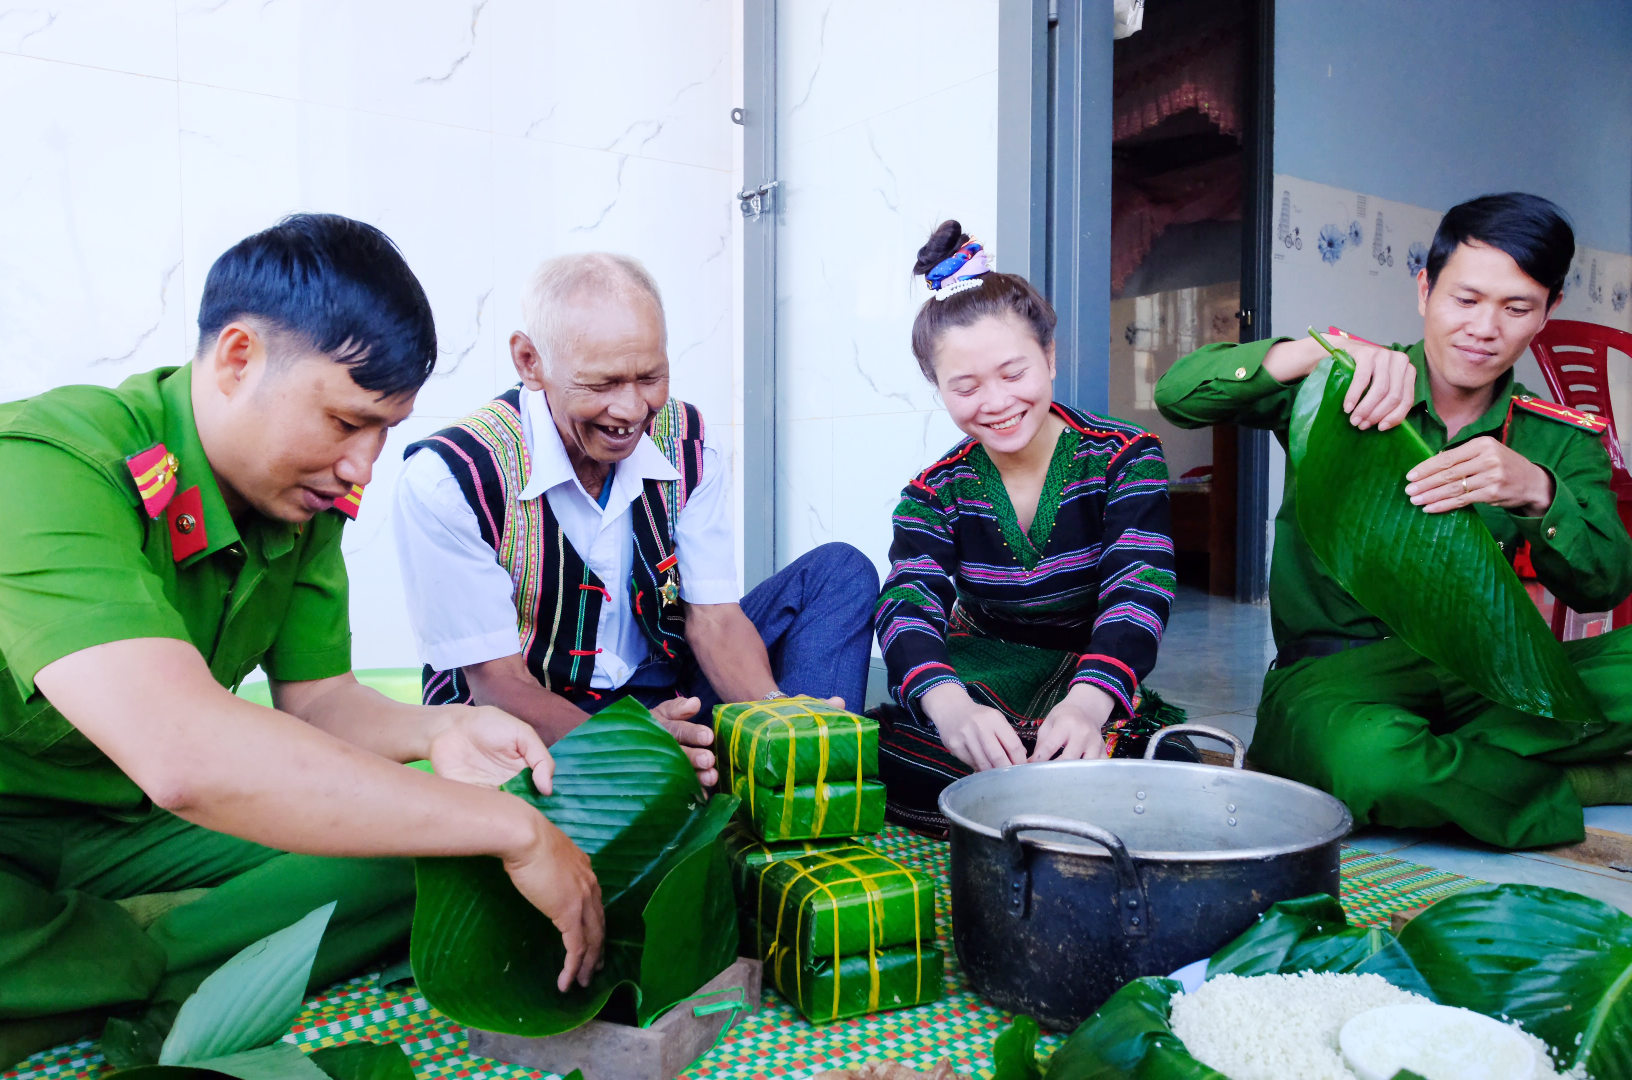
<point>664,92</point>
<point>381,636</point>
<point>880,140</point>
<point>859,204</point>
<point>134,36</point>
<point>423,59</point>
<point>249,159</point>
<point>874,457</point>
<point>804,487</point>
<point>841,61</point>
<point>119,191</point>
<point>91,275</point>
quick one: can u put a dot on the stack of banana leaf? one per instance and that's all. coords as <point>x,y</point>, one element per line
<point>843,929</point>
<point>1557,962</point>
<point>803,769</point>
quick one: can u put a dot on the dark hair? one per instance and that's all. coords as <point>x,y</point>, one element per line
<point>999,295</point>
<point>1531,229</point>
<point>340,287</point>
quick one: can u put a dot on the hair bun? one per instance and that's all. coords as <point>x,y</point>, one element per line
<point>947,238</point>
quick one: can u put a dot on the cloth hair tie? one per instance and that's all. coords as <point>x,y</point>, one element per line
<point>959,271</point>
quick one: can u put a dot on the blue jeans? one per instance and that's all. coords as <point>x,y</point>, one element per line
<point>816,619</point>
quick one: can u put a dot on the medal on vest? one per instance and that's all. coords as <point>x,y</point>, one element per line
<point>668,594</point>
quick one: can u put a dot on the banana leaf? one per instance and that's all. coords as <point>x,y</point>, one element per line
<point>1312,934</point>
<point>363,1060</point>
<point>1130,1037</point>
<point>1438,580</point>
<point>627,796</point>
<point>1014,1051</point>
<point>1557,962</point>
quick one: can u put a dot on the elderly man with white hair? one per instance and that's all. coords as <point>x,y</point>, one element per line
<point>570,543</point>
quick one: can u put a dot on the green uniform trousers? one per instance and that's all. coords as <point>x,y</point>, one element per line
<point>69,953</point>
<point>1405,743</point>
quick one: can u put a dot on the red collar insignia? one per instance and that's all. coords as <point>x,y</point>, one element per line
<point>1562,413</point>
<point>185,516</point>
<point>352,501</point>
<point>154,471</point>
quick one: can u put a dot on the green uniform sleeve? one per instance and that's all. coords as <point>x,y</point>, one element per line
<point>314,641</point>
<point>73,572</point>
<point>1226,384</point>
<point>1580,548</point>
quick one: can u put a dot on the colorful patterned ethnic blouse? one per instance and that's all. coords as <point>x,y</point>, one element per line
<point>1018,617</point>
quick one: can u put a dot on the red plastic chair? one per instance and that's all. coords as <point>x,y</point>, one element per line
<point>1574,359</point>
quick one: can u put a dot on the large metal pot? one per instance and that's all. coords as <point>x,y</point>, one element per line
<point>1071,878</point>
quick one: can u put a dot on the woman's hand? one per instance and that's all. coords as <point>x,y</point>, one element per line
<point>486,746</point>
<point>974,734</point>
<point>1071,730</point>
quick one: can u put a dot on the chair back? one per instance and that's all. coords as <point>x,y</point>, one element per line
<point>1574,359</point>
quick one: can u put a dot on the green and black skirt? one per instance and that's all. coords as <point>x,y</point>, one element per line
<point>1023,682</point>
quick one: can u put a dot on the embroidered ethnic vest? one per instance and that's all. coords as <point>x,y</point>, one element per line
<point>558,597</point>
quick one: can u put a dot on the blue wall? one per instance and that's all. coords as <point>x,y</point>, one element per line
<point>1430,103</point>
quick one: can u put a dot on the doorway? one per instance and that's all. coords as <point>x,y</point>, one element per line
<point>1180,174</point>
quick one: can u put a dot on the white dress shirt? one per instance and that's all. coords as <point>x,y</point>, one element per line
<point>461,600</point>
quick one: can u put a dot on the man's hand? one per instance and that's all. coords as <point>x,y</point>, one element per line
<point>975,734</point>
<point>674,716</point>
<point>486,746</point>
<point>1480,470</point>
<point>556,878</point>
<point>1071,730</point>
<point>1384,386</point>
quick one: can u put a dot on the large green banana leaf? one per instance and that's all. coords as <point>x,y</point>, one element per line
<point>1559,962</point>
<point>1438,580</point>
<point>626,794</point>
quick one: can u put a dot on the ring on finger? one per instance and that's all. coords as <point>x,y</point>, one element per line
<point>1464,485</point>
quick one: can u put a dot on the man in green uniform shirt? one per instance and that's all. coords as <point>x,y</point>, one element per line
<point>162,540</point>
<point>1348,708</point>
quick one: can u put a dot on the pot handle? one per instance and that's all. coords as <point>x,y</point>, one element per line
<point>1220,734</point>
<point>1130,889</point>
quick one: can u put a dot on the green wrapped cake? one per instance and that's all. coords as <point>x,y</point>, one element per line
<point>803,769</point>
<point>844,930</point>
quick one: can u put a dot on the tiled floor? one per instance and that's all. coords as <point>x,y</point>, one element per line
<point>1212,663</point>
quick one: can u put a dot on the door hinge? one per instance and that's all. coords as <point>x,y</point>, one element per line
<point>756,201</point>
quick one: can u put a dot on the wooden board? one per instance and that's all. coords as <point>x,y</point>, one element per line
<point>605,1051</point>
<point>1397,921</point>
<point>1601,848</point>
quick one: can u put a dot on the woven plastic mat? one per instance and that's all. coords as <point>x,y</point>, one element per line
<point>776,1041</point>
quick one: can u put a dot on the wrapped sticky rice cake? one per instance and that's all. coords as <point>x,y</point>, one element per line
<point>804,769</point>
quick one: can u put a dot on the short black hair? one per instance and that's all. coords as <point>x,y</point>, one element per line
<point>339,286</point>
<point>1533,230</point>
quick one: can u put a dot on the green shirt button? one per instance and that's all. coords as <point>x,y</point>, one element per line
<point>1240,372</point>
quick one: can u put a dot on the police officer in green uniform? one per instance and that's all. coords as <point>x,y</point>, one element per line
<point>164,538</point>
<point>1348,708</point>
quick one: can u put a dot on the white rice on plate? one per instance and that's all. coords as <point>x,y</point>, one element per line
<point>1285,1027</point>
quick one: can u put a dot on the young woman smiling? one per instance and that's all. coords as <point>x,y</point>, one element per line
<point>1032,568</point>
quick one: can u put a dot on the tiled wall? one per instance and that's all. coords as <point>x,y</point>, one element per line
<point>888,125</point>
<point>140,138</point>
